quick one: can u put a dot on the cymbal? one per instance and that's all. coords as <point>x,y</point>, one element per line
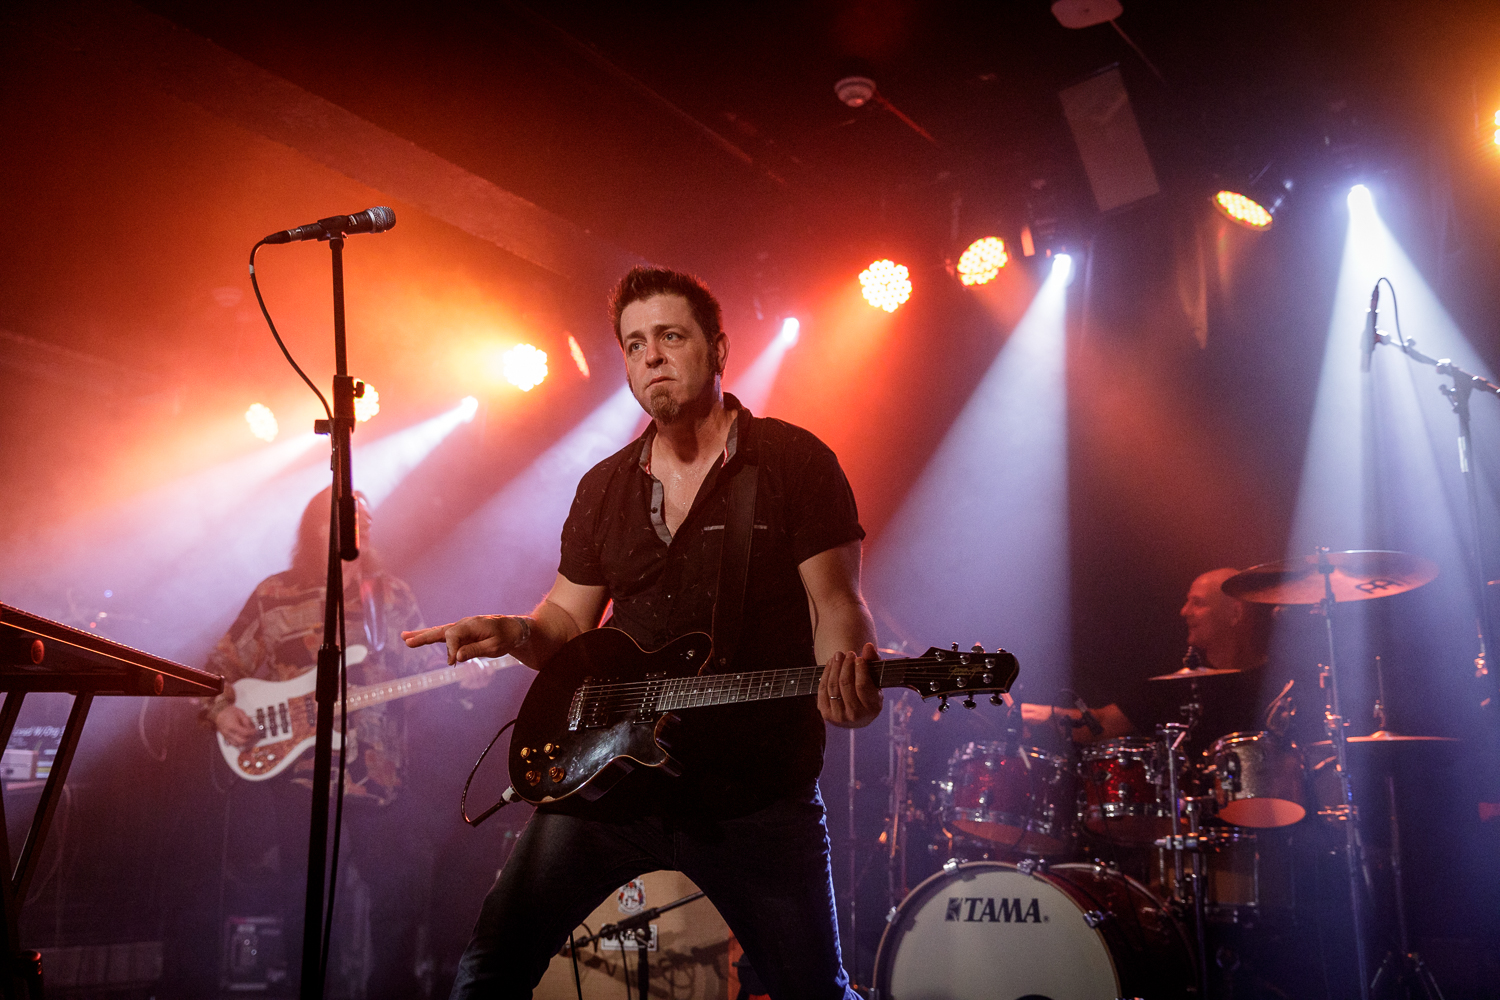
<point>1186,674</point>
<point>1360,575</point>
<point>1388,737</point>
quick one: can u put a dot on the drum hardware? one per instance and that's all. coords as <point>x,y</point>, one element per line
<point>1345,576</point>
<point>1405,964</point>
<point>1174,733</point>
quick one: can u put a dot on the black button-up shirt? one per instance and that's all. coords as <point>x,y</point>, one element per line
<point>663,585</point>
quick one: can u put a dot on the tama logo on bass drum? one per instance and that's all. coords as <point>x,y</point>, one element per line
<point>988,909</point>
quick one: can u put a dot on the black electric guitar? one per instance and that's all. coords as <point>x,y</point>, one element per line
<point>595,712</point>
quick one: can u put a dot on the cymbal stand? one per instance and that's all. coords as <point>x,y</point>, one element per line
<point>1174,733</point>
<point>1407,965</point>
<point>1333,721</point>
<point>900,764</point>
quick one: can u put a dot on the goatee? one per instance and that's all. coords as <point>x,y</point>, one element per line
<point>663,408</point>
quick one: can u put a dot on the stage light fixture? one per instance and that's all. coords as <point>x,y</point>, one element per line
<point>982,261</point>
<point>1244,210</point>
<point>1360,198</point>
<point>791,329</point>
<point>524,366</point>
<point>885,284</point>
<point>467,407</point>
<point>578,358</point>
<point>368,405</point>
<point>262,421</point>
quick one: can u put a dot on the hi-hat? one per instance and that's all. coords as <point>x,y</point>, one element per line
<point>1360,575</point>
<point>1192,674</point>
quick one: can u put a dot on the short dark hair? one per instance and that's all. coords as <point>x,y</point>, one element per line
<point>644,282</point>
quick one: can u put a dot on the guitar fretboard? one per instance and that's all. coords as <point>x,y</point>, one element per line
<point>599,704</point>
<point>401,687</point>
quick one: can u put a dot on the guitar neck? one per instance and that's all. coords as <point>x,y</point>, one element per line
<point>760,685</point>
<point>400,687</point>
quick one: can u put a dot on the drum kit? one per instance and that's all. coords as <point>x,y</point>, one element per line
<point>1190,841</point>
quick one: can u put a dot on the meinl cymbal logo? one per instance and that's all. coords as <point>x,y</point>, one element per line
<point>987,909</point>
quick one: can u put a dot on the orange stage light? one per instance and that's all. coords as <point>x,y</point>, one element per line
<point>262,421</point>
<point>982,261</point>
<point>578,358</point>
<point>368,405</point>
<point>885,284</point>
<point>1242,210</point>
<point>524,366</point>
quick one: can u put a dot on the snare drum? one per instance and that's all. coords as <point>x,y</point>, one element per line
<point>1125,791</point>
<point>991,930</point>
<point>1017,797</point>
<point>1258,780</point>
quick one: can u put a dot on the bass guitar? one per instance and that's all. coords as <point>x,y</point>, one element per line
<point>596,711</point>
<point>285,713</point>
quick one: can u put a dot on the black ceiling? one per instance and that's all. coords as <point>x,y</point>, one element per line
<point>703,134</point>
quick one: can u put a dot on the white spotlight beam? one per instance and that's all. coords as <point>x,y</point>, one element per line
<point>504,555</point>
<point>753,386</point>
<point>979,548</point>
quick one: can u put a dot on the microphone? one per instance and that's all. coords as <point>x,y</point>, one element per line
<point>371,220</point>
<point>1367,345</point>
<point>1087,715</point>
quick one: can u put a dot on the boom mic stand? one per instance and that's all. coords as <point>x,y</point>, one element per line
<point>343,544</point>
<point>638,928</point>
<point>1464,384</point>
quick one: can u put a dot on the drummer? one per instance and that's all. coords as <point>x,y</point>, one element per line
<point>1228,635</point>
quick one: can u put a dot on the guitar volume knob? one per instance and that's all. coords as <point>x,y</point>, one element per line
<point>526,753</point>
<point>533,777</point>
<point>556,774</point>
<point>551,749</point>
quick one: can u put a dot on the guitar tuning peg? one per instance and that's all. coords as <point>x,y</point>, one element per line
<point>944,706</point>
<point>978,647</point>
<point>995,699</point>
<point>955,647</point>
<point>969,701</point>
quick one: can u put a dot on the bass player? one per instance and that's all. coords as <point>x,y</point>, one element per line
<point>276,638</point>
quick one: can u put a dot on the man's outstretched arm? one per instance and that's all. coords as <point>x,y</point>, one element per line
<point>568,609</point>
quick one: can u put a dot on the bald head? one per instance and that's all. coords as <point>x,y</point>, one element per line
<point>1212,616</point>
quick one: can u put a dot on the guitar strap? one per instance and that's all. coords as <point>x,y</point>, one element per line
<point>734,564</point>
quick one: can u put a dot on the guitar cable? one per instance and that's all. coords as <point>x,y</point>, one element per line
<point>506,797</point>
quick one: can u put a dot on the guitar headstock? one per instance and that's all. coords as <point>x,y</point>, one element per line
<point>945,673</point>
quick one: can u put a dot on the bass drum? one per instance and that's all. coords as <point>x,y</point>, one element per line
<point>994,931</point>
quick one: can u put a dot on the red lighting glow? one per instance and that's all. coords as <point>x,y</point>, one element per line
<point>578,358</point>
<point>885,284</point>
<point>982,261</point>
<point>524,366</point>
<point>1244,211</point>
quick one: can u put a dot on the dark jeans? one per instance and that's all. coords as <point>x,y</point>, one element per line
<point>767,873</point>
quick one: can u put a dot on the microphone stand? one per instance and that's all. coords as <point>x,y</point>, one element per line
<point>343,544</point>
<point>637,927</point>
<point>1464,384</point>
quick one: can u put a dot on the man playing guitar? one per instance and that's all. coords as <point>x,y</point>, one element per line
<point>644,538</point>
